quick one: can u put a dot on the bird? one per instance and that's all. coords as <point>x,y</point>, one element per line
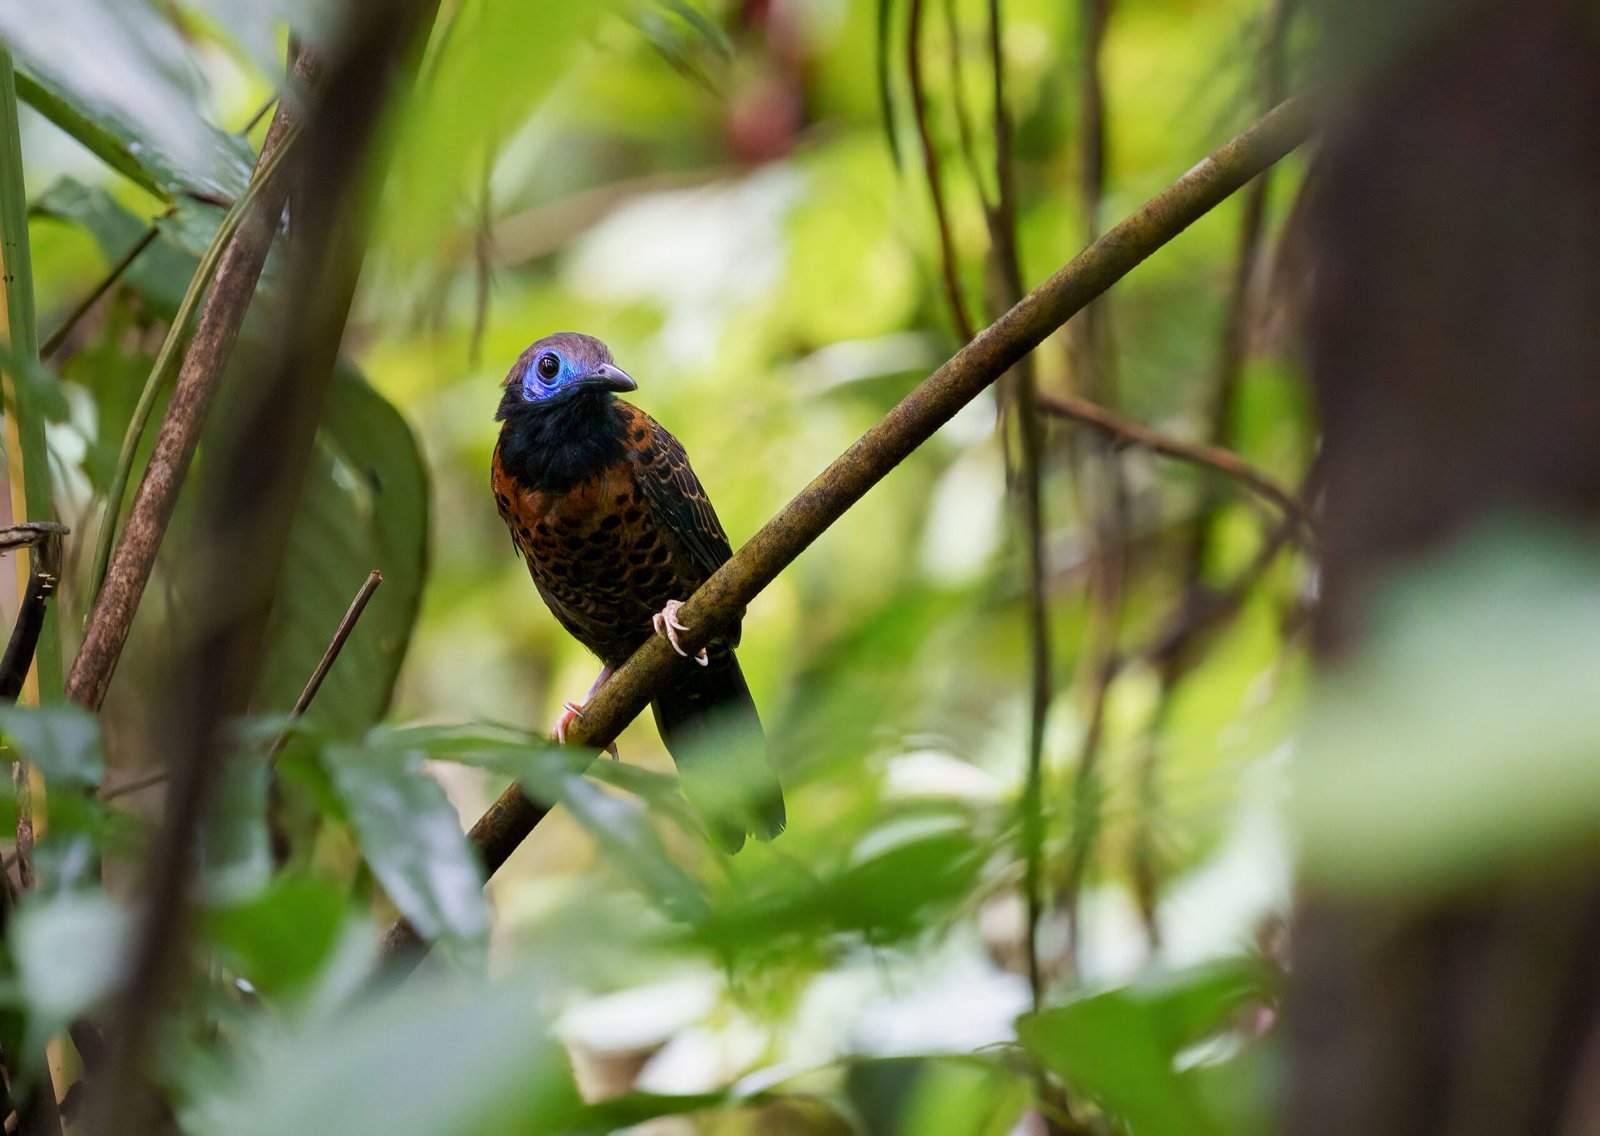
<point>617,531</point>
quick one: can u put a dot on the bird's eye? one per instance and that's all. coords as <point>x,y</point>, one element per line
<point>549,366</point>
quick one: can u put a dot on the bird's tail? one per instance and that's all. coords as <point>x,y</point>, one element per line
<point>709,724</point>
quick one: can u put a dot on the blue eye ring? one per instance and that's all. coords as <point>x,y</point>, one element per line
<point>548,366</point>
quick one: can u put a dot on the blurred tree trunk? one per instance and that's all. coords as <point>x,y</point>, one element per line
<point>1454,343</point>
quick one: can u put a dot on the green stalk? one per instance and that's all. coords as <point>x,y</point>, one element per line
<point>25,433</point>
<point>166,365</point>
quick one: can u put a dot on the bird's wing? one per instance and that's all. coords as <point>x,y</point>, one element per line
<point>677,501</point>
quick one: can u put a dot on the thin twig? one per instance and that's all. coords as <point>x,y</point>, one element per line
<point>81,309</point>
<point>329,656</point>
<point>346,625</point>
<point>949,265</point>
<point>922,412</point>
<point>1215,458</point>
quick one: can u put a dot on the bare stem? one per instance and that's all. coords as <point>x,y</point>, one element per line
<point>1214,458</point>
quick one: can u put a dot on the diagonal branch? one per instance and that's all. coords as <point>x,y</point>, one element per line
<point>933,403</point>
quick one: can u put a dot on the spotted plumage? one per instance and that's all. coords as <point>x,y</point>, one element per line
<point>602,504</point>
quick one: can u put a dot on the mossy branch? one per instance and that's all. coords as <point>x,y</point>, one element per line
<point>933,403</point>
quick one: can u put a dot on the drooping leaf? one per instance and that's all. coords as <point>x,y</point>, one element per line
<point>63,741</point>
<point>1121,1046</point>
<point>280,938</point>
<point>895,883</point>
<point>68,949</point>
<point>412,840</point>
<point>161,273</point>
<point>629,843</point>
<point>480,85</point>
<point>619,826</point>
<point>423,1063</point>
<point>116,76</point>
<point>1461,740</point>
<point>365,506</point>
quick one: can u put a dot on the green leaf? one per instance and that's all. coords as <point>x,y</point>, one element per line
<point>896,883</point>
<point>365,506</point>
<point>620,827</point>
<point>955,1096</point>
<point>413,842</point>
<point>1460,741</point>
<point>68,950</point>
<point>629,843</point>
<point>1121,1046</point>
<point>431,1063</point>
<point>161,273</point>
<point>479,87</point>
<point>62,740</point>
<point>280,938</point>
<point>118,78</point>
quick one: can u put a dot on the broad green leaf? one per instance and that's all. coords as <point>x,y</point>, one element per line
<point>68,949</point>
<point>620,827</point>
<point>280,938</point>
<point>412,840</point>
<point>161,273</point>
<point>365,506</point>
<point>898,881</point>
<point>1121,1047</point>
<point>493,67</point>
<point>255,26</point>
<point>1461,739</point>
<point>437,1062</point>
<point>63,741</point>
<point>955,1096</point>
<point>630,844</point>
<point>117,77</point>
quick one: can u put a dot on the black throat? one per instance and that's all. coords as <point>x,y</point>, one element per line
<point>553,446</point>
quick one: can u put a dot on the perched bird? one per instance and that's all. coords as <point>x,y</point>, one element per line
<point>617,531</point>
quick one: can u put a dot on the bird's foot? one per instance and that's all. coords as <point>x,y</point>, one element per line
<point>666,624</point>
<point>571,710</point>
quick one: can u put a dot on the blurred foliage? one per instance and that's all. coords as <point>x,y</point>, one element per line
<point>707,187</point>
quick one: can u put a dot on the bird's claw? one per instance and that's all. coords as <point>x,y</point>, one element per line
<point>569,711</point>
<point>667,626</point>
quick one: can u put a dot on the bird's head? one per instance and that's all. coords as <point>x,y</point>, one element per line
<point>559,368</point>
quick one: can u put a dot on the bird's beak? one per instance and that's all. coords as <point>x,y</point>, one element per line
<point>607,377</point>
